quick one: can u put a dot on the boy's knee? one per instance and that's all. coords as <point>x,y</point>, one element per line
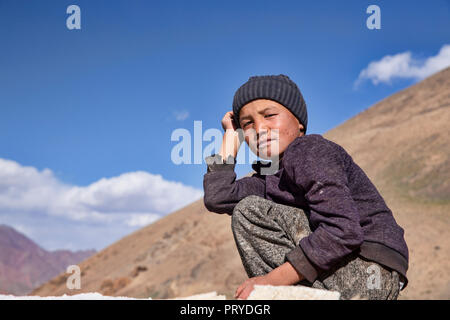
<point>245,203</point>
<point>241,209</point>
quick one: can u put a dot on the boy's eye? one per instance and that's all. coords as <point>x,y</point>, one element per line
<point>266,116</point>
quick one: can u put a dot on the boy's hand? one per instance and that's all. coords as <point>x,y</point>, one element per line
<point>229,122</point>
<point>244,289</point>
<point>283,275</point>
<point>232,138</point>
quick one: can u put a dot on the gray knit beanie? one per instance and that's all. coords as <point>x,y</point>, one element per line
<point>278,88</point>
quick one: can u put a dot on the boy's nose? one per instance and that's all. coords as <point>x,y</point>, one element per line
<point>261,128</point>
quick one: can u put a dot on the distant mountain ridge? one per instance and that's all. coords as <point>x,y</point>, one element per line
<point>24,265</point>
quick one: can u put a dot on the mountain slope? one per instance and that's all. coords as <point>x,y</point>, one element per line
<point>24,265</point>
<point>400,142</point>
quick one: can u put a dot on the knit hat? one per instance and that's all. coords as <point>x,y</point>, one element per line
<point>278,88</point>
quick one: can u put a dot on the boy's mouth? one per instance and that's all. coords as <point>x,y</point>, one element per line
<point>263,143</point>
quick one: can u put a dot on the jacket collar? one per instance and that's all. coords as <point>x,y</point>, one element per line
<point>258,165</point>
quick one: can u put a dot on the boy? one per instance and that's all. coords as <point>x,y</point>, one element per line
<point>318,220</point>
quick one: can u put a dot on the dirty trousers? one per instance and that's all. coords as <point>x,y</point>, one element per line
<point>265,231</point>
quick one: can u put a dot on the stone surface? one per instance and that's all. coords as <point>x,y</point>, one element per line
<point>203,296</point>
<point>291,293</point>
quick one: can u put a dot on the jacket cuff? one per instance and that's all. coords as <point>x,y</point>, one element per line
<point>215,163</point>
<point>301,263</point>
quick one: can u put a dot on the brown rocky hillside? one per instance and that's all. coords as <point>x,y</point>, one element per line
<point>402,143</point>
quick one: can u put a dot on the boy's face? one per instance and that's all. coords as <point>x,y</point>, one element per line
<point>269,127</point>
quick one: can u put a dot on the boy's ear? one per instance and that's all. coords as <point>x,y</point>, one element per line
<point>301,128</point>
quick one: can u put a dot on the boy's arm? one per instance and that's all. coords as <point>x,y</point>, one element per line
<point>316,166</point>
<point>221,189</point>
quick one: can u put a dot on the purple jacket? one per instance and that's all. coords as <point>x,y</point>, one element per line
<point>344,208</point>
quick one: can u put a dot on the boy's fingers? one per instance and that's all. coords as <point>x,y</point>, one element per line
<point>238,291</point>
<point>244,290</point>
<point>245,293</point>
<point>241,289</point>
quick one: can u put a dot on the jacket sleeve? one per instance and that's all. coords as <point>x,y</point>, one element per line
<point>222,191</point>
<point>318,169</point>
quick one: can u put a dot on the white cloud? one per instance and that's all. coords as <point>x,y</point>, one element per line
<point>137,220</point>
<point>131,199</point>
<point>403,65</point>
<point>181,115</point>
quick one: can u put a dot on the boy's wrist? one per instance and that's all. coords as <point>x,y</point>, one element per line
<point>215,162</point>
<point>284,275</point>
<point>230,144</point>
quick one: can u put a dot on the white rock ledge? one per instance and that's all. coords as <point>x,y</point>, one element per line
<point>291,293</point>
<point>259,293</point>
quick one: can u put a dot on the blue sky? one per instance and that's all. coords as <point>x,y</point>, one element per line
<point>91,111</point>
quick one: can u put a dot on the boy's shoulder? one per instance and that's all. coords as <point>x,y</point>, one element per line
<point>313,154</point>
<point>312,150</point>
<point>312,144</point>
